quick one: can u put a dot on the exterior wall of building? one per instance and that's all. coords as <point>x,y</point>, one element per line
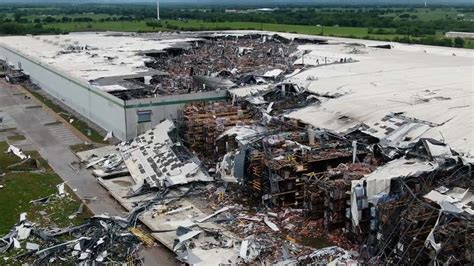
<point>455,34</point>
<point>103,109</point>
<point>166,107</point>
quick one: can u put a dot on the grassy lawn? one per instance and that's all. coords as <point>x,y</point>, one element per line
<point>190,25</point>
<point>32,17</point>
<point>303,29</point>
<point>428,14</point>
<point>442,13</point>
<point>102,26</point>
<point>72,16</point>
<point>82,147</point>
<point>7,129</point>
<point>358,32</point>
<point>22,187</point>
<point>6,159</point>
<point>78,124</point>
<point>197,25</point>
<point>469,44</point>
<point>17,137</point>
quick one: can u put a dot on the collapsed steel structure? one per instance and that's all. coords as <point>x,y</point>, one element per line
<point>332,178</point>
<point>209,63</point>
<point>342,186</point>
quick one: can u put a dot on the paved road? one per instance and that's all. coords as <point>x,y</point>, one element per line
<point>52,141</point>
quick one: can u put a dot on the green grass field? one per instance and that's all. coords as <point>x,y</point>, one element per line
<point>6,159</point>
<point>19,188</point>
<point>427,14</point>
<point>102,26</point>
<point>82,147</point>
<point>16,137</point>
<point>469,44</point>
<point>72,16</point>
<point>134,26</point>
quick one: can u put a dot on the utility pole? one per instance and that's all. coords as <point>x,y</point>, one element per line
<point>157,9</point>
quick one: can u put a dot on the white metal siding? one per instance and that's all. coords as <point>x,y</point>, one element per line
<point>102,109</point>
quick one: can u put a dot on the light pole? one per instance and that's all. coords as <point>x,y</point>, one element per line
<point>157,9</point>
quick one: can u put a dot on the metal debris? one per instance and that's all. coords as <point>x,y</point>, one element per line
<point>92,242</point>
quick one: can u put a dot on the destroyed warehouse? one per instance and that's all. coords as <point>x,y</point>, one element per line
<point>128,83</point>
<point>285,149</point>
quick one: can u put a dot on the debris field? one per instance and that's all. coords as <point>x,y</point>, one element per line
<point>246,181</point>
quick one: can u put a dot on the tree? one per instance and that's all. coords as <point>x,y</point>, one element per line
<point>17,16</point>
<point>49,19</point>
<point>458,42</point>
<point>12,28</point>
<point>405,16</point>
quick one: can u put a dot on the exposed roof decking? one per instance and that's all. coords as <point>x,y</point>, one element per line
<point>435,88</point>
<point>108,55</point>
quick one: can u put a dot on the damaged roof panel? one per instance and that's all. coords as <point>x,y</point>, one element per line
<point>433,89</point>
<point>150,158</point>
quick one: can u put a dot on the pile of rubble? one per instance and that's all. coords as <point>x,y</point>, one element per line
<point>210,63</point>
<point>102,239</point>
<point>290,193</point>
<point>174,205</point>
<point>222,62</point>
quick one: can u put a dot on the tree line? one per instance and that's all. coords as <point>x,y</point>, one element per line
<point>379,21</point>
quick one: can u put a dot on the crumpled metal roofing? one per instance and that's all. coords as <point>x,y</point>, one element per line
<point>150,158</point>
<point>426,95</point>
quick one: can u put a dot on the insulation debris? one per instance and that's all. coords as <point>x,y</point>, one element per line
<point>18,152</point>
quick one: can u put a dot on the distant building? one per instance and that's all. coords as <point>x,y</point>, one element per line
<point>266,9</point>
<point>455,34</point>
<point>231,11</point>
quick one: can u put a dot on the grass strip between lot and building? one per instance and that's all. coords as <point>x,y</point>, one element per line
<point>17,137</point>
<point>7,129</point>
<point>82,147</point>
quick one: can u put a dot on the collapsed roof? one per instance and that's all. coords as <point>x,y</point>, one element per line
<point>417,112</point>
